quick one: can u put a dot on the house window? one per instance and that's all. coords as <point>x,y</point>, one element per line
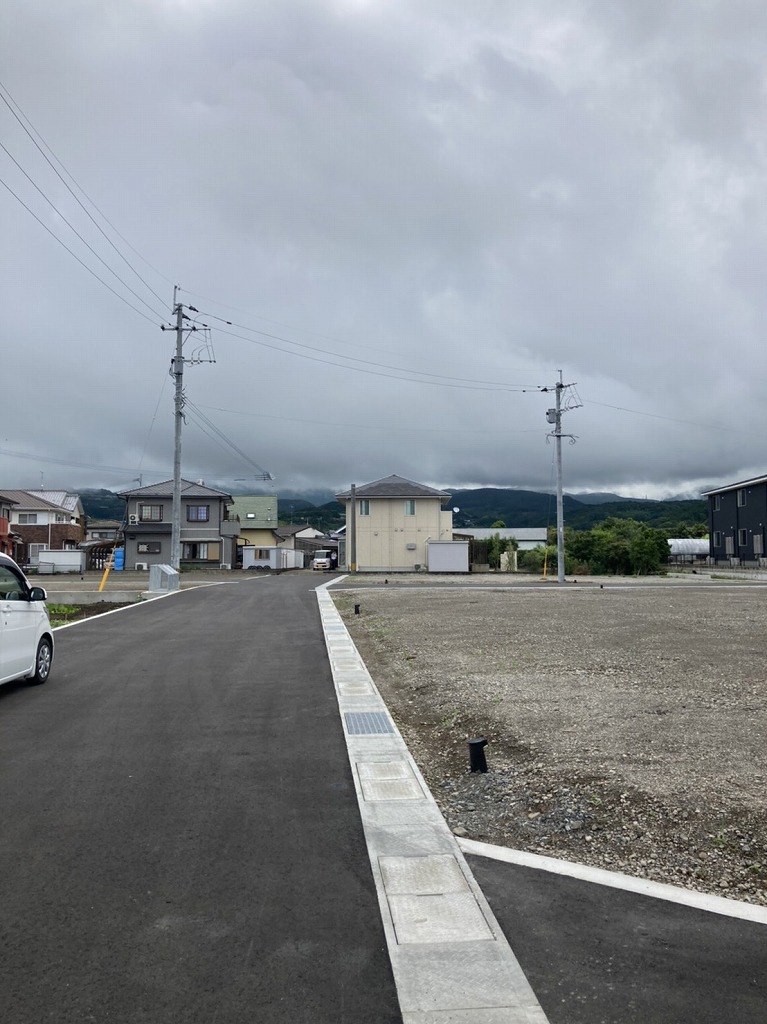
<point>410,507</point>
<point>717,503</point>
<point>34,552</point>
<point>27,518</point>
<point>195,550</point>
<point>60,518</point>
<point>741,497</point>
<point>364,507</point>
<point>197,513</point>
<point>150,513</point>
<point>153,547</point>
<point>200,551</point>
<point>717,538</point>
<point>742,538</point>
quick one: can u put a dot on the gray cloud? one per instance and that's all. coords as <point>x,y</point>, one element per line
<point>481,193</point>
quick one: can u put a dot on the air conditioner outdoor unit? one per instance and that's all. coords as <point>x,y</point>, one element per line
<point>142,565</point>
<point>133,519</point>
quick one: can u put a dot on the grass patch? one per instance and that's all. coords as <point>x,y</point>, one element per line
<point>59,614</point>
<point>62,614</point>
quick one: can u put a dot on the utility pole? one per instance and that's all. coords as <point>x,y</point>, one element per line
<point>177,372</point>
<point>560,495</point>
<point>554,416</point>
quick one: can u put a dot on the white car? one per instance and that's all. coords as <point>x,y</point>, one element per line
<point>26,637</point>
<point>322,560</point>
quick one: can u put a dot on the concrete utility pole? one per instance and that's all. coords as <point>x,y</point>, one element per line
<point>177,373</point>
<point>554,416</point>
<point>560,496</point>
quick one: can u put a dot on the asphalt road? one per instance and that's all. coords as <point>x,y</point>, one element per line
<point>598,955</point>
<point>180,837</point>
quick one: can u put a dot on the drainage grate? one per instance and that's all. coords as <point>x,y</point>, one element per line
<point>367,723</point>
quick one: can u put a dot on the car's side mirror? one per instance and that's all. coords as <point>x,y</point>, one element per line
<point>38,594</point>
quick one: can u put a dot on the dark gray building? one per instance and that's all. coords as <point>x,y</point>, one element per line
<point>208,533</point>
<point>737,515</point>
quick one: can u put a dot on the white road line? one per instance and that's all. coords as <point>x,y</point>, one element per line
<point>629,883</point>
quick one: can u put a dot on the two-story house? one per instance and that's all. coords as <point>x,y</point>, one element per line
<point>737,519</point>
<point>208,530</point>
<point>46,520</point>
<point>392,523</point>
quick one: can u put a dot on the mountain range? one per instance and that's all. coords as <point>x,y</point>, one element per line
<point>477,507</point>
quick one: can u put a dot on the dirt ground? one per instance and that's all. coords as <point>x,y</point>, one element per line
<point>625,719</point>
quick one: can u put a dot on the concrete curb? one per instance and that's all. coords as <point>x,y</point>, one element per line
<point>450,959</point>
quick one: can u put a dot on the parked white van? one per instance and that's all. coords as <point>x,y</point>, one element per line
<point>322,560</point>
<point>26,637</point>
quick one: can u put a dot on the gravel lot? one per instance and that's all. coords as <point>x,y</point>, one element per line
<point>625,719</point>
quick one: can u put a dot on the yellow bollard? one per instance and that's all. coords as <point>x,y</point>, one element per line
<point>110,563</point>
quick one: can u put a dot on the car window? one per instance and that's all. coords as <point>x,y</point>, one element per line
<point>11,587</point>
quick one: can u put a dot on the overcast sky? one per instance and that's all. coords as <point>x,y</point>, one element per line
<point>414,213</point>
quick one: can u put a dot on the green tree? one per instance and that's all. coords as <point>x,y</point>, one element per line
<point>619,547</point>
<point>534,560</point>
<point>497,546</point>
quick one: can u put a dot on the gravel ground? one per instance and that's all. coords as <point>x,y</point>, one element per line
<point>625,720</point>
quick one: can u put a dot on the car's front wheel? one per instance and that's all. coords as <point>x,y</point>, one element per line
<point>43,660</point>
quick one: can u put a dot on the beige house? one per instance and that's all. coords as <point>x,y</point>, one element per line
<point>392,523</point>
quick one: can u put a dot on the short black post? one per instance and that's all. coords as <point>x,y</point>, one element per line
<point>356,609</point>
<point>477,754</point>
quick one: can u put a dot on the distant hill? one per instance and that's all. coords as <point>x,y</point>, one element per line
<point>483,506</point>
<point>480,507</point>
<point>101,504</point>
<point>669,516</point>
<point>599,497</point>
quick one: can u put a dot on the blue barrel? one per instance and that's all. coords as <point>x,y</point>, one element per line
<point>119,562</point>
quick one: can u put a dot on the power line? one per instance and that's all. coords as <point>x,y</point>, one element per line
<point>281,323</point>
<point>75,231</point>
<point>672,419</point>
<point>75,256</point>
<point>197,412</point>
<point>404,374</point>
<point>21,117</point>
<point>64,462</point>
<point>365,426</point>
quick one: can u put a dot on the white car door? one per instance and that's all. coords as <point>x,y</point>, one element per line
<point>18,626</point>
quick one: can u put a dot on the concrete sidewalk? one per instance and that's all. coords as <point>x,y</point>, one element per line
<point>450,958</point>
